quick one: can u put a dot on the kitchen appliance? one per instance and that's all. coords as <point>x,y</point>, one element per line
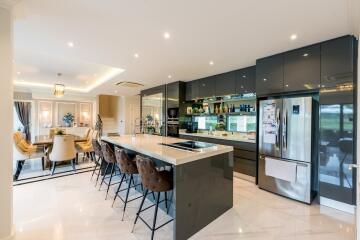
<point>173,128</point>
<point>189,145</point>
<point>286,147</point>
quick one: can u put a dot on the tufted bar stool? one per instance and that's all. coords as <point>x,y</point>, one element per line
<point>99,161</point>
<point>109,157</point>
<point>155,181</point>
<point>127,165</point>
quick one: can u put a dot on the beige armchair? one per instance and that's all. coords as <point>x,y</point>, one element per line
<point>63,150</point>
<point>24,151</point>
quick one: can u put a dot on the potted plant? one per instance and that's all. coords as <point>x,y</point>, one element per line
<point>68,119</point>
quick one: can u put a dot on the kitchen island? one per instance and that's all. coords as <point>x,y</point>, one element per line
<point>203,178</point>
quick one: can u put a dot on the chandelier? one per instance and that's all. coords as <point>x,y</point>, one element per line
<point>59,90</point>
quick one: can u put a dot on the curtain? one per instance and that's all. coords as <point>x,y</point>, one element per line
<point>23,110</point>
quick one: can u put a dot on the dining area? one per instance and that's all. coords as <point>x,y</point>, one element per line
<point>61,151</point>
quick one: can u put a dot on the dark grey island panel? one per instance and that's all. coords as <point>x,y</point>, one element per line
<point>203,192</point>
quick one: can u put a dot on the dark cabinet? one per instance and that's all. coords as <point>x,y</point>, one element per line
<point>173,95</point>
<point>245,80</point>
<point>188,91</point>
<point>270,75</point>
<point>225,83</point>
<point>206,87</point>
<point>337,61</point>
<point>302,69</point>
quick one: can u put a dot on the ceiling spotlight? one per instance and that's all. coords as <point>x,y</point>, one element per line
<point>211,63</point>
<point>169,76</point>
<point>70,44</point>
<point>136,55</point>
<point>293,37</point>
<point>305,54</point>
<point>18,73</point>
<point>166,35</point>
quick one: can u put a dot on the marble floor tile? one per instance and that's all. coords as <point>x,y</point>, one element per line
<point>71,208</point>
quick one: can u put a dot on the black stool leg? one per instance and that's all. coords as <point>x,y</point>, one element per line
<point>155,216</point>
<point>103,178</point>
<point>108,187</point>
<point>19,166</point>
<point>99,171</point>
<point>118,190</point>
<point>127,196</point>
<point>140,208</point>
<point>73,164</point>
<point>92,175</point>
<point>166,202</point>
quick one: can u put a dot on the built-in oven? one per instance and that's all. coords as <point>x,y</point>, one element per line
<point>173,128</point>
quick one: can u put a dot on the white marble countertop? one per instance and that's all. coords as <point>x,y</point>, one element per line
<point>241,137</point>
<point>150,145</point>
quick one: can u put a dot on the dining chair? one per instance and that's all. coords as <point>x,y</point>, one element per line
<point>24,151</point>
<point>86,148</point>
<point>63,150</point>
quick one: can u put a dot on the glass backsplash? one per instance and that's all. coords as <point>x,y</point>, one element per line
<point>241,123</point>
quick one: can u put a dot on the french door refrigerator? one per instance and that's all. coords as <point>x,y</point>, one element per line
<point>286,147</point>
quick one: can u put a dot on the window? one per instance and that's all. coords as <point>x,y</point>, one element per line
<point>206,122</point>
<point>241,123</point>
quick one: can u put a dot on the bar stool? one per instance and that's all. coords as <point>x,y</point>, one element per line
<point>127,165</point>
<point>110,159</point>
<point>155,181</point>
<point>99,161</point>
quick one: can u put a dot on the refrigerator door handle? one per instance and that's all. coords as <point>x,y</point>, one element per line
<point>277,143</point>
<point>285,130</point>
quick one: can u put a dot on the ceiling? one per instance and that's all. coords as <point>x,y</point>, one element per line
<point>105,37</point>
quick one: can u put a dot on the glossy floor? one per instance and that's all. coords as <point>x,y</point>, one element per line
<point>71,208</point>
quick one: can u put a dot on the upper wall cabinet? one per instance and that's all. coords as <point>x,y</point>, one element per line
<point>192,90</point>
<point>206,87</point>
<point>172,95</point>
<point>225,83</point>
<point>270,75</point>
<point>245,80</point>
<point>337,61</point>
<point>302,69</point>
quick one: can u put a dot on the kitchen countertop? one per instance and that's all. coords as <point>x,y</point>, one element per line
<point>150,145</point>
<point>241,137</point>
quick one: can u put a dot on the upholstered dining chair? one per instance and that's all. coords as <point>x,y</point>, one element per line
<point>24,151</point>
<point>87,147</point>
<point>63,150</point>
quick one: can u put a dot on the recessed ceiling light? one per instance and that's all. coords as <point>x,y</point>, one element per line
<point>293,37</point>
<point>166,35</point>
<point>211,63</point>
<point>305,54</point>
<point>18,73</point>
<point>169,76</point>
<point>136,55</point>
<point>70,44</point>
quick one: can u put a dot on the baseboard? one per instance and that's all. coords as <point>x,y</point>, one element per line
<point>244,177</point>
<point>337,205</point>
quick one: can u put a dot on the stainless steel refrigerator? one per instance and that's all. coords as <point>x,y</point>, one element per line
<point>285,147</point>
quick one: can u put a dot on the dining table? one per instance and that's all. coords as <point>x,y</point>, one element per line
<point>48,140</point>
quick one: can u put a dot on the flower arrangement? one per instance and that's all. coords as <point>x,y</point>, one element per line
<point>68,119</point>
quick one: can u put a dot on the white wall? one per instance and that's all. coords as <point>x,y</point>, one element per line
<point>6,110</point>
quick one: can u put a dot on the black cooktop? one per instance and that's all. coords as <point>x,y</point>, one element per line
<point>189,145</point>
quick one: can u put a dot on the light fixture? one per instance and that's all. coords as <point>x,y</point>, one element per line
<point>305,54</point>
<point>59,90</point>
<point>136,55</point>
<point>70,44</point>
<point>211,63</point>
<point>293,37</point>
<point>286,85</point>
<point>166,35</point>
<point>18,73</point>
<point>169,76</point>
<point>265,79</point>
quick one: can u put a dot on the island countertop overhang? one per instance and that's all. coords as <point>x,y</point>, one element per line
<point>151,145</point>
